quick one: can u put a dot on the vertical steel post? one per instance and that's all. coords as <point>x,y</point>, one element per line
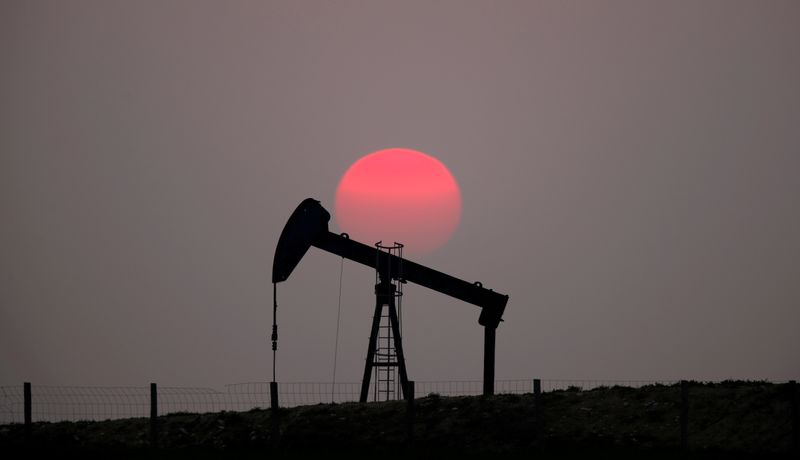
<point>537,409</point>
<point>488,360</point>
<point>793,398</point>
<point>409,394</point>
<point>684,414</point>
<point>27,409</point>
<point>153,415</point>
<point>373,337</point>
<point>398,348</point>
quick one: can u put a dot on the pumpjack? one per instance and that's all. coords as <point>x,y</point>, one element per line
<point>308,226</point>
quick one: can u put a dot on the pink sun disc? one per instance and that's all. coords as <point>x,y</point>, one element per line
<point>399,195</point>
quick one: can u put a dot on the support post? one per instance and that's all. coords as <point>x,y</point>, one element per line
<point>398,349</point>
<point>488,360</point>
<point>793,398</point>
<point>537,409</point>
<point>153,415</point>
<point>409,394</point>
<point>27,409</point>
<point>373,338</point>
<point>684,415</point>
<point>274,413</point>
<point>273,395</point>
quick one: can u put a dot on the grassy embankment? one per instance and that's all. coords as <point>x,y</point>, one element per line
<point>725,419</point>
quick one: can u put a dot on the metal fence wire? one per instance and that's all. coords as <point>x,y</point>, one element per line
<point>75,403</point>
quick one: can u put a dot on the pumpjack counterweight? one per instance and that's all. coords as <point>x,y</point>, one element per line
<point>308,226</point>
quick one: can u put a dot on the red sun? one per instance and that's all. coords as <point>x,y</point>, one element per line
<point>399,195</point>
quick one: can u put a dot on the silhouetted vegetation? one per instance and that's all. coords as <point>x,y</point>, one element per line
<point>725,419</point>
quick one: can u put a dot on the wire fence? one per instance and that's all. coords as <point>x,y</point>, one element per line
<point>520,386</point>
<point>76,403</point>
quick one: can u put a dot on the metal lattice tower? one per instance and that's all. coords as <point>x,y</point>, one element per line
<point>386,386</point>
<point>385,352</point>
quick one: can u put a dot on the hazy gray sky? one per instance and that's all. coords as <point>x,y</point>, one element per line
<point>629,172</point>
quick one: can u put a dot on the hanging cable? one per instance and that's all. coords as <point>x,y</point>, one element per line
<point>336,344</point>
<point>274,326</point>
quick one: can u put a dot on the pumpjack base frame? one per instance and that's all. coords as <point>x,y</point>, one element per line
<point>385,298</point>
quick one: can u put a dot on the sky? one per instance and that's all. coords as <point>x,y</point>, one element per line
<point>628,170</point>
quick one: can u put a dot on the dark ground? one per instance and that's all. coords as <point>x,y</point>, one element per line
<point>726,420</point>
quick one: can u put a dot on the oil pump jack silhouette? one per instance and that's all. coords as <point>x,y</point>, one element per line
<point>308,226</point>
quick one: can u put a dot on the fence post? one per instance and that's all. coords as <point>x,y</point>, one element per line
<point>27,410</point>
<point>410,412</point>
<point>793,398</point>
<point>684,414</point>
<point>537,407</point>
<point>153,415</point>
